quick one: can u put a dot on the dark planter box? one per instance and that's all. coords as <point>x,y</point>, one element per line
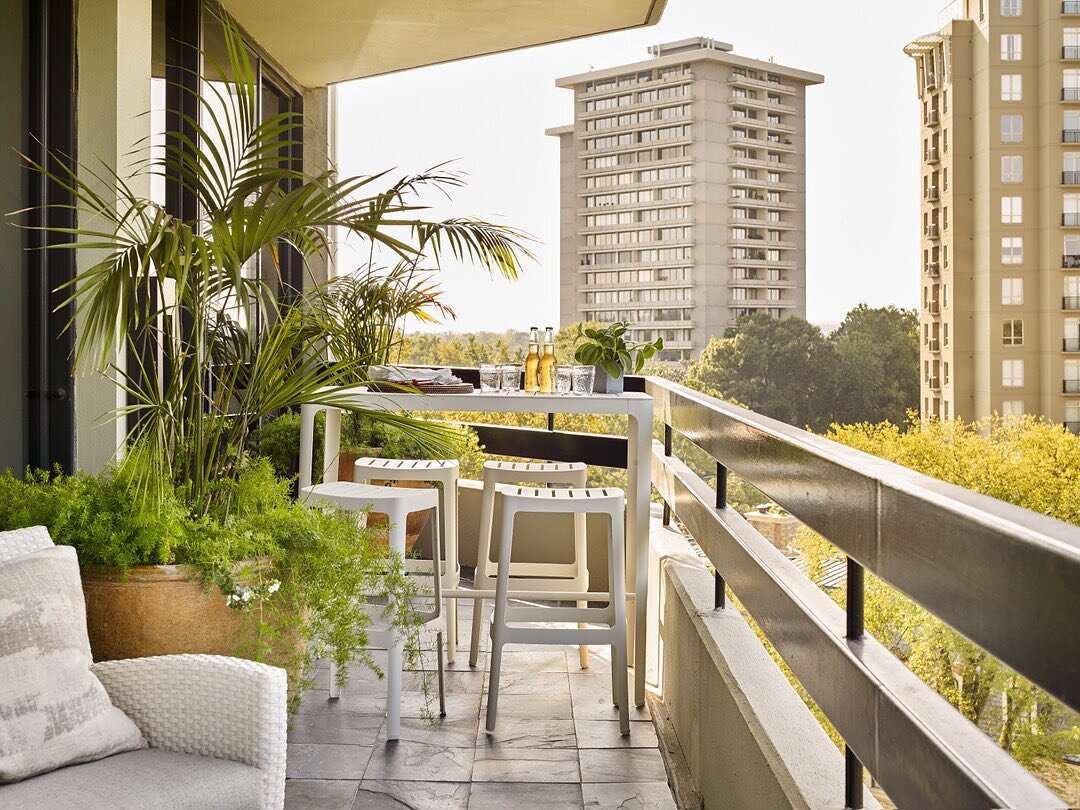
<point>605,384</point>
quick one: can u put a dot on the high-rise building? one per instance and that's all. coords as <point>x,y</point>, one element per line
<point>683,183</point>
<point>1000,220</point>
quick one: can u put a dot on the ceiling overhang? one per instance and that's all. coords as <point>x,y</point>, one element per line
<point>321,42</point>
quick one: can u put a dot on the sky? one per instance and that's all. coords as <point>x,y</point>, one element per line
<point>488,116</point>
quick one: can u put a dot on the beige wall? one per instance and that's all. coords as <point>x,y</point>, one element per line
<point>114,39</point>
<point>12,271</point>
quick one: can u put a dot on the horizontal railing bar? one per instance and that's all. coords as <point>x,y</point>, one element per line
<point>552,445</point>
<point>922,751</point>
<point>1005,577</point>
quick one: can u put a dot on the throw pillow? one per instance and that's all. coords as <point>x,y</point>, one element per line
<point>53,709</point>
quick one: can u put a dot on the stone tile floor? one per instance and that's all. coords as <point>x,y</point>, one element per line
<point>556,745</point>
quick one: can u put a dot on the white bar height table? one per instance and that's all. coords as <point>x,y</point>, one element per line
<point>638,407</point>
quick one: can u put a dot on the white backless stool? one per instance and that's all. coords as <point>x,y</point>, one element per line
<point>396,503</point>
<point>445,472</point>
<point>549,578</point>
<point>605,626</point>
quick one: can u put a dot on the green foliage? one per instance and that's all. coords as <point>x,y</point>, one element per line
<point>608,348</point>
<point>1026,461</point>
<point>462,350</point>
<point>867,370</point>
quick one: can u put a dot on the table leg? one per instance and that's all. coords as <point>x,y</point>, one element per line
<point>639,443</point>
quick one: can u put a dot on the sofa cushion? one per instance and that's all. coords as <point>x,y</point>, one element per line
<point>53,709</point>
<point>141,780</point>
<point>17,542</point>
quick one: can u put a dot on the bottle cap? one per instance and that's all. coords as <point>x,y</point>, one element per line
<point>535,327</point>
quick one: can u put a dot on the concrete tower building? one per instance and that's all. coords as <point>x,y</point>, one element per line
<point>1000,220</point>
<point>683,183</point>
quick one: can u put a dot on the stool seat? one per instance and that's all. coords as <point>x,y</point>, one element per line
<point>533,472</point>
<point>536,499</point>
<point>400,469</point>
<point>353,497</point>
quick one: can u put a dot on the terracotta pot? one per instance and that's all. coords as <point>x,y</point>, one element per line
<point>166,609</point>
<point>347,460</point>
<point>416,521</point>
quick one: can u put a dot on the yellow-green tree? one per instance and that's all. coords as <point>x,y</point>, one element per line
<point>1026,461</point>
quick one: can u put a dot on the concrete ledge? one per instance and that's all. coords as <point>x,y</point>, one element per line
<point>748,739</point>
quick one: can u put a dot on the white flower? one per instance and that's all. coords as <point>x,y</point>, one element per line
<point>273,587</point>
<point>246,595</point>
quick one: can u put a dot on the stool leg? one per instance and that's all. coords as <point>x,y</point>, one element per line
<point>498,621</point>
<point>582,560</point>
<point>450,544</point>
<point>622,690</point>
<point>583,649</point>
<point>442,686</point>
<point>395,659</point>
<point>483,556</point>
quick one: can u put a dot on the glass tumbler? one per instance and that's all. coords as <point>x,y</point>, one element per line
<point>563,379</point>
<point>489,377</point>
<point>510,378</point>
<point>583,379</point>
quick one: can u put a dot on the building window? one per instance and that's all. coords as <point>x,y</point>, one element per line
<point>1012,128</point>
<point>1012,292</point>
<point>1012,87</point>
<point>1012,250</point>
<point>1012,47</point>
<point>1012,332</point>
<point>1012,373</point>
<point>1012,8</point>
<point>1012,169</point>
<point>1012,210</point>
<point>1012,408</point>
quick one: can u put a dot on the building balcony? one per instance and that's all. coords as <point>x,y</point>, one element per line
<point>933,344</point>
<point>1070,344</point>
<point>1070,303</point>
<point>743,222</point>
<point>758,163</point>
<point>1070,178</point>
<point>1070,136</point>
<point>1070,7</point>
<point>762,183</point>
<point>760,202</point>
<point>933,269</point>
<point>1070,386</point>
<point>933,231</point>
<point>1070,220</point>
<point>763,143</point>
<point>1072,427</point>
<point>1070,261</point>
<point>932,193</point>
<point>1070,93</point>
<point>933,383</point>
<point>931,81</point>
<point>933,307</point>
<point>762,104</point>
<point>746,81</point>
<point>931,119</point>
<point>1070,52</point>
<point>932,155</point>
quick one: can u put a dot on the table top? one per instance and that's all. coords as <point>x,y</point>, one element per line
<point>500,402</point>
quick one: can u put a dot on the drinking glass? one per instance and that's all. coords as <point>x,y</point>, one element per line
<point>510,378</point>
<point>563,379</point>
<point>489,377</point>
<point>583,379</point>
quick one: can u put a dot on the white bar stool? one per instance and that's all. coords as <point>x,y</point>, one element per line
<point>548,578</point>
<point>444,472</point>
<point>512,625</point>
<point>396,503</point>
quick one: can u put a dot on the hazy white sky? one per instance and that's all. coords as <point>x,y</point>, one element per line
<point>489,115</point>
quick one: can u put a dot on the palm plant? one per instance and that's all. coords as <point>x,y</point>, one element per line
<point>361,315</point>
<point>207,370</point>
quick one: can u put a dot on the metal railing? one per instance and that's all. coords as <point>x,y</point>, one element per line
<point>932,118</point>
<point>1072,427</point>
<point>932,231</point>
<point>931,193</point>
<point>1070,52</point>
<point>932,155</point>
<point>1070,219</point>
<point>1070,302</point>
<point>1070,386</point>
<point>1070,178</point>
<point>1070,93</point>
<point>933,269</point>
<point>1070,260</point>
<point>1070,136</point>
<point>1070,7</point>
<point>1070,344</point>
<point>1017,597</point>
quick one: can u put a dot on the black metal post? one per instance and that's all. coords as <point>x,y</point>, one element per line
<point>551,421</point>
<point>667,452</point>
<point>719,593</point>
<point>856,629</point>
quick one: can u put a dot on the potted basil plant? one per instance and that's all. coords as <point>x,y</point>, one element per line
<point>613,355</point>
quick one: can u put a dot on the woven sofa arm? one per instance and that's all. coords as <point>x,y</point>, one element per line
<point>210,705</point>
